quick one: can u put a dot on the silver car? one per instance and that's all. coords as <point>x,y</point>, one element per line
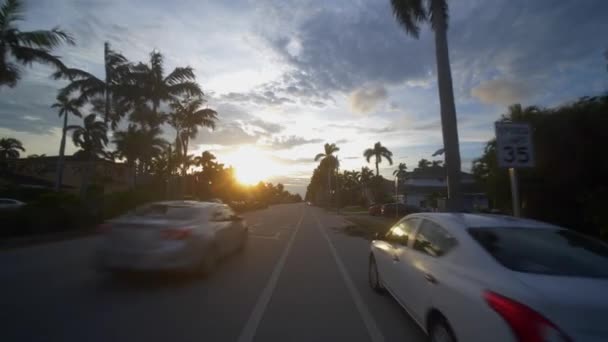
<point>186,236</point>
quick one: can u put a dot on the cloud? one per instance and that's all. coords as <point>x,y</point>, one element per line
<point>285,143</point>
<point>365,99</point>
<point>502,92</point>
<point>263,98</point>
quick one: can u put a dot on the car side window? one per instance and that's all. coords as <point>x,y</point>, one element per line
<point>402,231</point>
<point>433,240</point>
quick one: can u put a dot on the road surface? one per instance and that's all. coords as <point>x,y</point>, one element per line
<point>298,279</point>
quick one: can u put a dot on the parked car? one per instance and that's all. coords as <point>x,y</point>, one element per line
<point>173,236</point>
<point>9,204</point>
<point>466,277</point>
<point>375,209</point>
<point>398,209</point>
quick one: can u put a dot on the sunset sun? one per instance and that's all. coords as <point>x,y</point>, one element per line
<point>252,165</point>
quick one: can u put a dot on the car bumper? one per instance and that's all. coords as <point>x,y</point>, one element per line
<point>172,258</point>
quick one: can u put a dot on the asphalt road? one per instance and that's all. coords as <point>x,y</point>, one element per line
<point>299,279</point>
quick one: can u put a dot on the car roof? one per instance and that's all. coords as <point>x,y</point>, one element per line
<point>483,220</point>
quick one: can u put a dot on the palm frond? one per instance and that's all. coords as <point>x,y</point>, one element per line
<point>27,55</point>
<point>185,88</point>
<point>10,12</point>
<point>319,156</point>
<point>409,14</point>
<point>10,75</point>
<point>46,39</point>
<point>180,75</point>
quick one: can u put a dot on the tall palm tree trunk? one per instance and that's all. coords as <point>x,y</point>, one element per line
<point>377,167</point>
<point>329,187</point>
<point>106,51</point>
<point>86,177</point>
<point>60,162</point>
<point>449,125</point>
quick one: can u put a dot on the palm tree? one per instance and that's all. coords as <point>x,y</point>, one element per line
<point>329,161</point>
<point>186,118</point>
<point>366,175</point>
<point>139,146</point>
<point>410,14</point>
<point>379,152</point>
<point>437,163</point>
<point>25,47</point>
<point>102,93</point>
<point>158,88</point>
<point>91,138</point>
<point>65,106</point>
<point>401,171</point>
<point>423,163</point>
<point>9,148</point>
<point>205,160</point>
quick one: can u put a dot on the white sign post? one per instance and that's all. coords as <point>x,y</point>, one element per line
<point>514,150</point>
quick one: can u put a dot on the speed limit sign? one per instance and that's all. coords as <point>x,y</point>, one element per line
<point>514,145</point>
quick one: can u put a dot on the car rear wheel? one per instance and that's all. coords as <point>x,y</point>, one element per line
<point>440,331</point>
<point>374,276</point>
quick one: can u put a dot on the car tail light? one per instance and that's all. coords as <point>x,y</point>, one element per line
<point>103,228</point>
<point>527,324</point>
<point>176,233</point>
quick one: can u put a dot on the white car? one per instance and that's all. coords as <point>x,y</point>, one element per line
<point>466,277</point>
<point>9,203</point>
<point>172,236</point>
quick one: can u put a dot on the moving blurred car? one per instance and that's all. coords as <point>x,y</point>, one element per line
<point>398,209</point>
<point>375,209</point>
<point>9,203</point>
<point>472,277</point>
<point>176,235</point>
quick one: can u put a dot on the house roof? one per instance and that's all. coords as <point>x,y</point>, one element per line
<point>432,173</point>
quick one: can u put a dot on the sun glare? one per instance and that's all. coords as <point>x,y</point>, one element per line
<point>252,165</point>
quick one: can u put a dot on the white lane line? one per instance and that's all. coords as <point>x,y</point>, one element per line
<point>267,237</point>
<point>251,326</point>
<point>372,328</point>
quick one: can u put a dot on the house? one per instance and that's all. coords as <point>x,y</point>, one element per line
<point>42,172</point>
<point>427,188</point>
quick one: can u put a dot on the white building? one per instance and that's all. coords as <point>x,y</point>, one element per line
<point>427,188</point>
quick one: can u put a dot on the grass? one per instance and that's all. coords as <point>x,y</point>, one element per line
<point>367,226</point>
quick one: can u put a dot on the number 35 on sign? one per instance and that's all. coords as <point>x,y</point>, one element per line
<point>514,145</point>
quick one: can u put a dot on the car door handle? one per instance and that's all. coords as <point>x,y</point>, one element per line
<point>430,278</point>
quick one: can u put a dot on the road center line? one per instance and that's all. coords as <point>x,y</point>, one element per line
<point>253,322</point>
<point>372,328</point>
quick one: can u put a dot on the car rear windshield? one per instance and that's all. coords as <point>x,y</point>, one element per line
<point>545,251</point>
<point>171,212</point>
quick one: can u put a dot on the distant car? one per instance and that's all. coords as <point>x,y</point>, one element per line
<point>398,209</point>
<point>375,209</point>
<point>9,203</point>
<point>172,236</point>
<point>466,277</point>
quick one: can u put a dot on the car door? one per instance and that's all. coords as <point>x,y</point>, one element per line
<point>222,220</point>
<point>398,239</point>
<point>420,269</point>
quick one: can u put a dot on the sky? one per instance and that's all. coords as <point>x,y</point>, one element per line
<point>287,76</point>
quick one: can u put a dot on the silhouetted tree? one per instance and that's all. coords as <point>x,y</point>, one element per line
<point>65,106</point>
<point>379,152</point>
<point>24,48</point>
